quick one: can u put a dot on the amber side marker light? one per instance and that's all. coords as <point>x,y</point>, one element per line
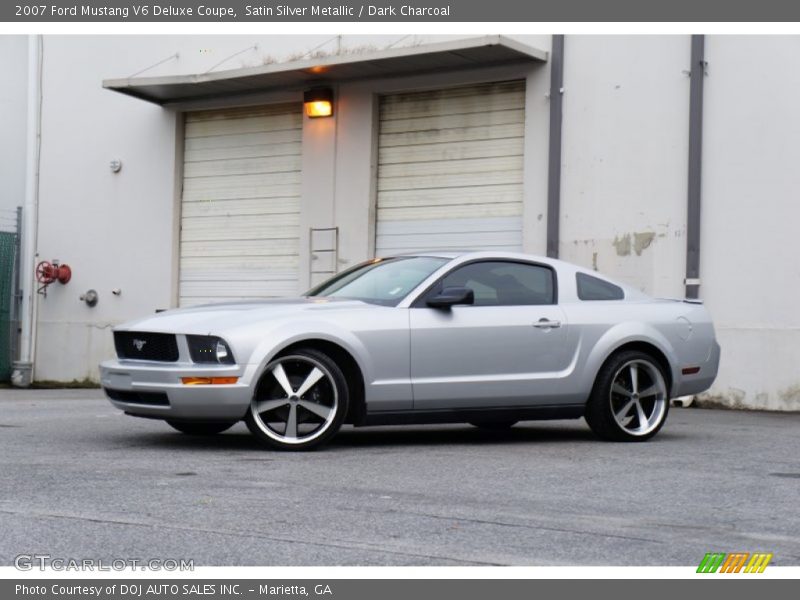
<point>209,380</point>
<point>318,102</point>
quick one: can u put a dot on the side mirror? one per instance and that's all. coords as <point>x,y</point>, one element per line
<point>451,296</point>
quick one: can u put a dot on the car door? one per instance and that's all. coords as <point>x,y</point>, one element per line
<point>503,350</point>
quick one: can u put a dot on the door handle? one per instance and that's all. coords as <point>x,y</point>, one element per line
<point>547,324</point>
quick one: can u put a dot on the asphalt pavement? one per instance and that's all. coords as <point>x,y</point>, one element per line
<point>80,480</point>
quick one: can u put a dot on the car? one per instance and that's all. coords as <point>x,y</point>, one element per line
<point>486,338</point>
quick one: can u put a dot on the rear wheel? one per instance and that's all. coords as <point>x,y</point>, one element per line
<point>630,399</point>
<point>201,427</point>
<point>301,401</point>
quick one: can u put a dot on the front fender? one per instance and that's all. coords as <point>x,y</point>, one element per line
<point>289,334</point>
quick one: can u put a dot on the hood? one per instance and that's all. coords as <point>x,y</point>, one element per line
<point>214,318</point>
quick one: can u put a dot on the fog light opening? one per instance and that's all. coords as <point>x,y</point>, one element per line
<point>209,380</point>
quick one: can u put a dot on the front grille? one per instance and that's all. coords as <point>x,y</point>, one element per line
<point>150,398</point>
<point>146,346</point>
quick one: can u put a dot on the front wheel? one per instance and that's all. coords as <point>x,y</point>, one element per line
<point>630,399</point>
<point>301,401</point>
<point>201,427</point>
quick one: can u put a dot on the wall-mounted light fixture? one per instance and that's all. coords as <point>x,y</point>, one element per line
<point>318,102</point>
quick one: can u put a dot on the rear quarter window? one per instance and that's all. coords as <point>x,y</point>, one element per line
<point>593,288</point>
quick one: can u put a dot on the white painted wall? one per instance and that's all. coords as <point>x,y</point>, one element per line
<point>624,177</point>
<point>119,230</point>
<point>625,139</point>
<point>750,268</point>
<point>624,180</point>
<point>13,116</point>
<point>114,230</point>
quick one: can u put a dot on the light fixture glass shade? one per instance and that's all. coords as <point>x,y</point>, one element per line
<point>319,108</point>
<point>318,102</point>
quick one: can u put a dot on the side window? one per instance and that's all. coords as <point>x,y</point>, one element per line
<point>592,288</point>
<point>501,283</point>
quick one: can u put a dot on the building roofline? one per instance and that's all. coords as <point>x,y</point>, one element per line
<point>450,55</point>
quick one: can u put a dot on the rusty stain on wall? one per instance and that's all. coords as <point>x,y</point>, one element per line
<point>732,398</point>
<point>790,397</point>
<point>785,399</point>
<point>642,241</point>
<point>622,244</point>
<point>638,242</point>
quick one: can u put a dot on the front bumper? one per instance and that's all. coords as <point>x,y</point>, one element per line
<point>155,389</point>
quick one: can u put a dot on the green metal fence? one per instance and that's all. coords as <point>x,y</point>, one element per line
<point>9,244</point>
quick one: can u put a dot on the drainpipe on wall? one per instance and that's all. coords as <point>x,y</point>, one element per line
<point>697,73</point>
<point>554,150</point>
<point>22,373</point>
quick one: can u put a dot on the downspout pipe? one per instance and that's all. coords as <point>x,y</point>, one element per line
<point>554,149</point>
<point>22,373</point>
<point>696,75</point>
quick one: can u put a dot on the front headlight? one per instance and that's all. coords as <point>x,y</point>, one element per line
<point>222,352</point>
<point>209,349</point>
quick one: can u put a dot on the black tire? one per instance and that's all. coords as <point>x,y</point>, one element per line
<point>600,408</point>
<point>494,425</point>
<point>332,388</point>
<point>201,427</point>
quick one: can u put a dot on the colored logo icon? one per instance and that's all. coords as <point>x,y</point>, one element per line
<point>735,562</point>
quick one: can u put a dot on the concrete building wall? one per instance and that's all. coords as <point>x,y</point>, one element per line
<point>114,230</point>
<point>624,189</point>
<point>623,182</point>
<point>13,118</point>
<point>624,171</point>
<point>119,231</point>
<point>749,268</point>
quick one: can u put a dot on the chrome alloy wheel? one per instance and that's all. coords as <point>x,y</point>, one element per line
<point>638,397</point>
<point>296,401</point>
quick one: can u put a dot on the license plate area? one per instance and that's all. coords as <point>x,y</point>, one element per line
<point>119,381</point>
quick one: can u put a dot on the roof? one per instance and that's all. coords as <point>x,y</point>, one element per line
<point>434,253</point>
<point>296,75</point>
<point>562,267</point>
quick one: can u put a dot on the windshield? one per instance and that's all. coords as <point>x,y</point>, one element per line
<point>381,281</point>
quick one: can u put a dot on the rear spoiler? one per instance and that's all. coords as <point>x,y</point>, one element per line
<point>686,300</point>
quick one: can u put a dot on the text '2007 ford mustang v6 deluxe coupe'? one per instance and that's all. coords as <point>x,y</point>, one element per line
<point>484,338</point>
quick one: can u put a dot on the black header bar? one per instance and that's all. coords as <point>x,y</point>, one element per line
<point>410,11</point>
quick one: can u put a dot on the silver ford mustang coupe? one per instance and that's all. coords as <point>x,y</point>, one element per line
<point>486,338</point>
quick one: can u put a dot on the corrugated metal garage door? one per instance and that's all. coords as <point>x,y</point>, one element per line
<point>241,204</point>
<point>450,169</point>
